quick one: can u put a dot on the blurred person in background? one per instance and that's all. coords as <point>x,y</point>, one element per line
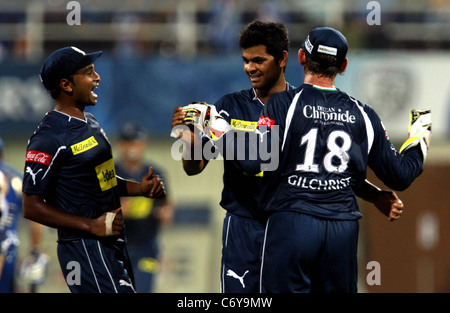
<point>34,267</point>
<point>143,216</point>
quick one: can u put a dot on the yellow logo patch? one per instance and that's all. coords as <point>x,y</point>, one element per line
<point>106,174</point>
<point>84,145</point>
<point>244,125</point>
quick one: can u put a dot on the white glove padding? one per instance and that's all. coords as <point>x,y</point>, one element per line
<point>419,131</point>
<point>195,115</point>
<point>215,124</point>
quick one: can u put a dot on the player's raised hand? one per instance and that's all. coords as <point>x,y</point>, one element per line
<point>152,186</point>
<point>390,205</point>
<point>419,131</point>
<point>178,116</point>
<point>187,124</point>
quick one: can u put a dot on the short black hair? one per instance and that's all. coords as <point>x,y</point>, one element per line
<point>320,69</point>
<point>273,35</point>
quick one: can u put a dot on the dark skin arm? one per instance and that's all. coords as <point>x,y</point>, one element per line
<point>190,165</point>
<point>151,186</point>
<point>387,202</point>
<point>36,209</point>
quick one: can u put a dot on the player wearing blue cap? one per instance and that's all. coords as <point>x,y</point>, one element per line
<point>265,53</point>
<point>326,140</point>
<point>70,181</point>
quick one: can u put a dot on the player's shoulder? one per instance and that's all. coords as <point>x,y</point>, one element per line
<point>51,130</point>
<point>53,124</point>
<point>284,96</point>
<point>235,98</point>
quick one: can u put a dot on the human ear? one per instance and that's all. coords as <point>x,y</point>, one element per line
<point>301,56</point>
<point>343,66</point>
<point>66,85</point>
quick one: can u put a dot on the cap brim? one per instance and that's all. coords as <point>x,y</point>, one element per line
<point>89,58</point>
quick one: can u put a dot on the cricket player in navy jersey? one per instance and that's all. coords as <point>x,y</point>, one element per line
<point>70,181</point>
<point>326,140</point>
<point>265,48</point>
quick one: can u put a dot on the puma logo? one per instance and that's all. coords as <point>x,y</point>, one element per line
<point>260,134</point>
<point>123,282</point>
<point>240,278</point>
<point>33,175</point>
<point>224,112</point>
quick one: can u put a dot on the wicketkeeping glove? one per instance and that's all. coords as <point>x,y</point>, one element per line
<point>215,124</point>
<point>419,131</point>
<point>205,119</point>
<point>195,115</point>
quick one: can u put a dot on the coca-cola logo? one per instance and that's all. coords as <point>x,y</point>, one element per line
<point>38,157</point>
<point>267,121</point>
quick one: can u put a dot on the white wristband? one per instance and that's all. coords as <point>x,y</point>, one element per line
<point>108,222</point>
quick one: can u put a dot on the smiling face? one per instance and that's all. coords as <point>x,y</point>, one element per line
<point>85,80</point>
<point>262,68</point>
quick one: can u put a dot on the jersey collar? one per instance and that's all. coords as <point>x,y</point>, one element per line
<point>255,96</point>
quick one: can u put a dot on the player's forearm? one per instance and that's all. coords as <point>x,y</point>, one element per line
<point>194,167</point>
<point>368,191</point>
<point>37,210</point>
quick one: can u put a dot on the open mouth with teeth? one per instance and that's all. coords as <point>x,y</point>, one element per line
<point>93,93</point>
<point>254,77</point>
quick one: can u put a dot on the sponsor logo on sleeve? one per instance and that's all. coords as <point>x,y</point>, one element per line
<point>38,157</point>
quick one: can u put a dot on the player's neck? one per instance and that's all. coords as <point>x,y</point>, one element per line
<point>319,80</point>
<point>264,94</point>
<point>68,109</point>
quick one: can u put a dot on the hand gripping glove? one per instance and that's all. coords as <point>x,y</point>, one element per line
<point>205,119</point>
<point>195,115</point>
<point>419,131</point>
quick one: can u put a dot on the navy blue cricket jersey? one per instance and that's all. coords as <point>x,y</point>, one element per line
<point>70,163</point>
<point>326,140</point>
<point>241,190</point>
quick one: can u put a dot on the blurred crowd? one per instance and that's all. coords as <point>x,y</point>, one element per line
<point>29,29</point>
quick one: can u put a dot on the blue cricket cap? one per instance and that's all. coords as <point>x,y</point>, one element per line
<point>132,131</point>
<point>326,41</point>
<point>64,62</point>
